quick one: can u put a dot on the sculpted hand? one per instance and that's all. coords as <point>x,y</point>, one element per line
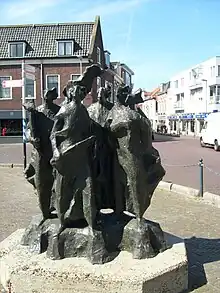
<point>29,106</point>
<point>36,143</point>
<point>56,156</point>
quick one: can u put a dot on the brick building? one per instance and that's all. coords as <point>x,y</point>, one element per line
<point>59,52</point>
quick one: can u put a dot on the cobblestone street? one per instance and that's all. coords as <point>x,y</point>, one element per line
<point>181,217</point>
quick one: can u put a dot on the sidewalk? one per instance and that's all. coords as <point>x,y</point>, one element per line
<point>179,216</point>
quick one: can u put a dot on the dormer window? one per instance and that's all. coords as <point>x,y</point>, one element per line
<point>65,48</point>
<point>107,59</point>
<point>17,49</point>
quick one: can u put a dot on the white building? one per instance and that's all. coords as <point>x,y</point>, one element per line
<point>194,93</point>
<point>184,101</point>
<point>150,105</point>
<point>163,105</point>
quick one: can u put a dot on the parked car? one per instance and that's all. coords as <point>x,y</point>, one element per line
<point>210,134</point>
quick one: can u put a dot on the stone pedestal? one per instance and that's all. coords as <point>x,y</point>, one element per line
<point>112,234</point>
<point>26,272</point>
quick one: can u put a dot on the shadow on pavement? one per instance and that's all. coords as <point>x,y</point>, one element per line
<point>199,252</point>
<point>164,138</point>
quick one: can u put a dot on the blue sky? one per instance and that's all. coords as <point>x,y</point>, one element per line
<point>155,38</point>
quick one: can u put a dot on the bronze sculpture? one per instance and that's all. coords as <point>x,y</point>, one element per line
<point>102,158</point>
<point>39,172</point>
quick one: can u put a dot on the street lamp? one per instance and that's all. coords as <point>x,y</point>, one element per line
<point>206,101</point>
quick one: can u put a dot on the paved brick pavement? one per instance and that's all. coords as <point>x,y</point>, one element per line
<point>181,217</point>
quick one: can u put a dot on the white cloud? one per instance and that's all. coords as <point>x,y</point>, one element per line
<point>37,11</point>
<point>108,8</point>
<point>14,11</point>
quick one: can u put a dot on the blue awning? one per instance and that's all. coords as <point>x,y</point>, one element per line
<point>187,116</point>
<point>201,115</point>
<point>8,114</point>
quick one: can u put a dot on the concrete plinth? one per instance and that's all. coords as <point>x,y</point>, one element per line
<point>26,272</point>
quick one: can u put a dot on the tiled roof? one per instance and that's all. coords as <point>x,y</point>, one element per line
<point>42,38</point>
<point>152,94</point>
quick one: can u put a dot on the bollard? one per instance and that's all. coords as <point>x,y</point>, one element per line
<point>201,183</point>
<point>25,154</point>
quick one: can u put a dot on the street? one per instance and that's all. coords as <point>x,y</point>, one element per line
<point>180,158</point>
<point>13,153</point>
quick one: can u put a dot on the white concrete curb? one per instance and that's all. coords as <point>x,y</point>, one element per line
<point>212,198</point>
<point>208,198</point>
<point>167,134</point>
<point>188,191</point>
<point>11,165</point>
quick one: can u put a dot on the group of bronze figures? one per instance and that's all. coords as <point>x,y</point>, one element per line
<point>85,160</point>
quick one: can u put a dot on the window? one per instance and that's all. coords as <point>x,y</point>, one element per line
<point>108,83</point>
<point>75,76</point>
<point>212,69</point>
<point>98,55</point>
<point>123,75</point>
<point>182,82</point>
<point>218,70</point>
<point>115,88</point>
<point>13,126</point>
<point>98,82</point>
<point>127,79</point>
<point>205,125</point>
<point>30,89</point>
<point>16,50</point>
<point>5,93</point>
<point>176,84</point>
<point>107,59</point>
<point>212,91</point>
<point>180,97</point>
<point>65,48</point>
<point>53,81</point>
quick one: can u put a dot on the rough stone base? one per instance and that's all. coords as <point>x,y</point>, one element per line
<point>26,272</point>
<point>143,239</point>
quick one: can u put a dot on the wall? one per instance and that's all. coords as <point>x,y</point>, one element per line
<point>149,109</point>
<point>196,103</point>
<point>98,42</point>
<point>64,70</point>
<point>15,73</point>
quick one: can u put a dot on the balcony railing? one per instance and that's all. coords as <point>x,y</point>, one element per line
<point>214,100</point>
<point>195,83</point>
<point>179,105</point>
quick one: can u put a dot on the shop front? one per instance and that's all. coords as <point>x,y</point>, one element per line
<point>173,124</point>
<point>200,120</point>
<point>162,123</point>
<point>187,123</point>
<point>10,123</point>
